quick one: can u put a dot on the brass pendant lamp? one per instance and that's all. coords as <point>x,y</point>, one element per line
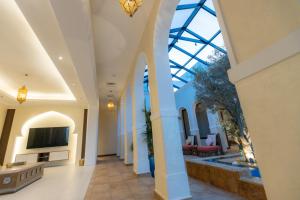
<point>22,93</point>
<point>130,6</point>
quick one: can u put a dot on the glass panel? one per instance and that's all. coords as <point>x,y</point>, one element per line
<point>178,83</point>
<point>191,64</point>
<point>219,41</point>
<point>183,2</point>
<point>190,47</point>
<point>178,57</point>
<point>181,73</point>
<point>186,34</point>
<point>174,70</point>
<point>180,17</point>
<point>187,76</point>
<point>205,53</point>
<point>175,89</point>
<point>210,4</point>
<point>204,24</point>
<point>170,40</point>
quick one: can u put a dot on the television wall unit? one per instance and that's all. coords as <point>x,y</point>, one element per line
<point>47,137</point>
<point>50,157</point>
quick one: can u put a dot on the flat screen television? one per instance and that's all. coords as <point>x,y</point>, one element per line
<point>47,137</point>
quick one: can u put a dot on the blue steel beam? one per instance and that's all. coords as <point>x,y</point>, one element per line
<point>175,86</point>
<point>186,39</point>
<point>181,67</point>
<point>210,11</point>
<point>213,37</point>
<point>174,30</point>
<point>195,5</point>
<point>206,41</point>
<point>191,55</point>
<point>179,78</point>
<point>187,22</point>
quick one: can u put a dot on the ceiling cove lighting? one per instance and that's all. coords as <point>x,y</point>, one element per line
<point>22,94</point>
<point>130,6</point>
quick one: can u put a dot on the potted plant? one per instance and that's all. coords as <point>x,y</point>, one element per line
<point>149,141</point>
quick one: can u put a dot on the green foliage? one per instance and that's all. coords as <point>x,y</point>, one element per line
<point>215,91</point>
<point>148,132</point>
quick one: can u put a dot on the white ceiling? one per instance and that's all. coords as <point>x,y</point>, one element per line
<point>35,33</point>
<point>22,53</point>
<point>116,38</point>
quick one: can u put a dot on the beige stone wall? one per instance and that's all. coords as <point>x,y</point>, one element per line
<point>256,24</point>
<point>268,85</point>
<point>107,131</point>
<point>271,104</point>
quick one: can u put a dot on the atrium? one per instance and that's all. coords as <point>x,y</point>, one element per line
<point>149,99</point>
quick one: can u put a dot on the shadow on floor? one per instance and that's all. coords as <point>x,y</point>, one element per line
<point>112,180</point>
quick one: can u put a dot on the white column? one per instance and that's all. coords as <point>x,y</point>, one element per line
<point>140,149</point>
<point>216,127</point>
<point>171,180</point>
<point>119,131</point>
<point>122,126</point>
<point>193,121</point>
<point>128,154</point>
<point>92,135</point>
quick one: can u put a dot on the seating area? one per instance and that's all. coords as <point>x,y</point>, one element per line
<point>211,148</point>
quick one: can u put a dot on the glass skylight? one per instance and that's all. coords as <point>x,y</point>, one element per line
<point>194,36</point>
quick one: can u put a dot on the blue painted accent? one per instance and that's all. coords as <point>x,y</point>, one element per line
<point>151,164</point>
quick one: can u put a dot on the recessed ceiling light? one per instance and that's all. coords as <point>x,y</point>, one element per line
<point>60,58</point>
<point>111,83</point>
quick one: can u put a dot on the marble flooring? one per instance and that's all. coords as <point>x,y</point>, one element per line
<point>112,180</point>
<point>58,183</point>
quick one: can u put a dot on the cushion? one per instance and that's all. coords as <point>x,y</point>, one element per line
<point>211,140</point>
<point>208,148</point>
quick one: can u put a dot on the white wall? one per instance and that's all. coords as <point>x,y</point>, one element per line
<point>108,132</point>
<point>2,116</point>
<point>185,97</point>
<point>23,114</point>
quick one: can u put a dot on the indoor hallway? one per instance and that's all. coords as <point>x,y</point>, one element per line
<point>113,180</point>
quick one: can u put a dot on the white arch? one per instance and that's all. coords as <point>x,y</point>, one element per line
<point>140,149</point>
<point>50,118</point>
<point>28,124</point>
<point>169,161</point>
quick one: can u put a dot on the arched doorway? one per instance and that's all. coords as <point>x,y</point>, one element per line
<point>185,123</point>
<point>202,121</point>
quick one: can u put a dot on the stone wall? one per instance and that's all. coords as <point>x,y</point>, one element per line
<point>226,179</point>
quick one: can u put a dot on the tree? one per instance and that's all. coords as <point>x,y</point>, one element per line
<point>215,91</point>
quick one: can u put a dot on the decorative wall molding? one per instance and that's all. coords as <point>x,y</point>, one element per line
<point>165,113</point>
<point>279,51</point>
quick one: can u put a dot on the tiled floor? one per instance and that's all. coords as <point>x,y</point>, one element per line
<point>112,180</point>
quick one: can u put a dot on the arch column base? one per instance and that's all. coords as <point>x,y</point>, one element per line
<point>140,152</point>
<point>128,158</point>
<point>171,180</point>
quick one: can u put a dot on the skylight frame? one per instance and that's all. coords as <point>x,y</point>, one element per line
<point>176,33</point>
